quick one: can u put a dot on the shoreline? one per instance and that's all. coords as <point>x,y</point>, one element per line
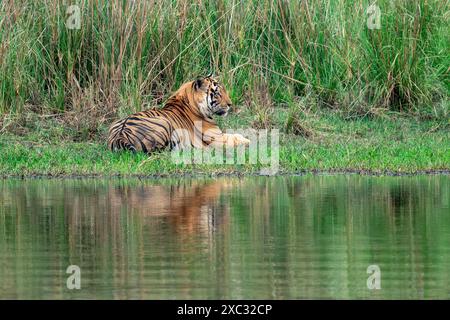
<point>188,175</point>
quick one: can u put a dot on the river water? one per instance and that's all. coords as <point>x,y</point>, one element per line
<point>326,237</point>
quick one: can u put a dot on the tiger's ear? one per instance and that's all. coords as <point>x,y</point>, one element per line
<point>198,83</point>
<point>213,77</point>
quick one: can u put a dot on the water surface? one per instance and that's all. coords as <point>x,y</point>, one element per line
<point>234,238</point>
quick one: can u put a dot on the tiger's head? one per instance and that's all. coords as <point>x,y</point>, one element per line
<point>211,97</point>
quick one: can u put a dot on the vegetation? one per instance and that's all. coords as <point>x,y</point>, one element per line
<point>394,144</point>
<point>128,53</point>
<point>343,95</point>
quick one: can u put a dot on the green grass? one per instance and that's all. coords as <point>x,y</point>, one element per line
<point>344,96</point>
<point>394,144</point>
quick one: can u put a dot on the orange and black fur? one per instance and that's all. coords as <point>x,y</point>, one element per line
<point>185,120</point>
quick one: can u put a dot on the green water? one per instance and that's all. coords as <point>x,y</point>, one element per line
<point>234,238</point>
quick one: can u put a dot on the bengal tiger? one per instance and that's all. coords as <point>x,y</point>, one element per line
<point>185,120</point>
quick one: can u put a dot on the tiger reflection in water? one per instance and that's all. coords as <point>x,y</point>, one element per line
<point>188,207</point>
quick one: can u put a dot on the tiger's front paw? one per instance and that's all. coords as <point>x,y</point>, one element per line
<point>239,139</point>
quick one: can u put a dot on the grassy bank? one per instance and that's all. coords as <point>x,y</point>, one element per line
<point>329,142</point>
<point>343,95</point>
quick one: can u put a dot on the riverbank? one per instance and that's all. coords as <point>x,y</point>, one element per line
<point>317,142</point>
<point>346,93</point>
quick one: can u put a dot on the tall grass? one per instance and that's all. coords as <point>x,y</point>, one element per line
<point>131,53</point>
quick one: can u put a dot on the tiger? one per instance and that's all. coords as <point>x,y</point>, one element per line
<point>186,120</point>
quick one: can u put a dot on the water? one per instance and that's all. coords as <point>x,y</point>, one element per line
<point>234,238</point>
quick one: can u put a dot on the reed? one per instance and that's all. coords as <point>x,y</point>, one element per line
<point>128,54</point>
